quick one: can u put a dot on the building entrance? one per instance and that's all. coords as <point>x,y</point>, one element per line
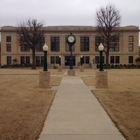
<point>67,60</point>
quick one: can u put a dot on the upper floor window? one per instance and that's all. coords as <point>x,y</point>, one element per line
<point>8,38</point>
<point>98,40</point>
<point>114,47</point>
<point>40,45</point>
<point>68,47</point>
<point>8,47</point>
<point>8,60</point>
<point>130,47</point>
<point>84,43</point>
<point>24,48</point>
<point>130,38</point>
<point>55,43</point>
<point>114,38</point>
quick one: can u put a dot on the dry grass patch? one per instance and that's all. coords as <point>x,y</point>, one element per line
<point>23,106</point>
<point>86,72</point>
<point>121,100</point>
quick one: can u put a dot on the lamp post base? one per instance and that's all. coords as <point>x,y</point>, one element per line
<point>44,79</point>
<point>101,79</point>
<point>71,72</point>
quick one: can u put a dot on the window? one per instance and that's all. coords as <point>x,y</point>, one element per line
<point>27,59</point>
<point>114,59</point>
<point>117,60</point>
<point>84,43</point>
<point>37,60</point>
<point>52,59</point>
<point>8,47</point>
<point>57,59</point>
<point>8,60</point>
<point>98,40</point>
<point>130,46</point>
<point>8,38</point>
<point>22,60</point>
<point>42,59</point>
<point>54,43</point>
<point>85,59</point>
<point>111,59</point>
<point>97,59</point>
<point>130,38</point>
<point>114,38</point>
<point>114,47</point>
<point>24,48</point>
<point>130,59</point>
<point>68,47</point>
<point>41,44</point>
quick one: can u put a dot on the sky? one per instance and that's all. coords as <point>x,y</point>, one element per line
<point>65,12</point>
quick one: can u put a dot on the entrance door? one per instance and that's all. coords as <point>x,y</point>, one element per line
<point>67,60</point>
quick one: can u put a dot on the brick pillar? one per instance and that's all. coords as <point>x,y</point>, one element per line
<point>44,79</point>
<point>71,72</point>
<point>82,68</point>
<point>59,68</point>
<point>101,79</point>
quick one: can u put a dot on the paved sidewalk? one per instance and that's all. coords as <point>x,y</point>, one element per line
<point>77,115</point>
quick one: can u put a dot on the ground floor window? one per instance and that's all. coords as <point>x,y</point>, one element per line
<point>54,60</point>
<point>27,59</point>
<point>8,60</point>
<point>130,59</point>
<point>22,60</point>
<point>97,59</point>
<point>85,59</point>
<point>114,59</point>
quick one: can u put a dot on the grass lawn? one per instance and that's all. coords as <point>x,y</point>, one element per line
<point>23,105</point>
<point>121,100</point>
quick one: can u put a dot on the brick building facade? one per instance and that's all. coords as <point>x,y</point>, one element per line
<point>124,51</point>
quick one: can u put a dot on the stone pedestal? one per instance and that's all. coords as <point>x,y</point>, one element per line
<point>44,79</point>
<point>93,66</point>
<point>71,72</point>
<point>82,68</point>
<point>59,68</point>
<point>101,79</point>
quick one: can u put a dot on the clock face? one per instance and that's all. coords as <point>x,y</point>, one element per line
<point>71,39</point>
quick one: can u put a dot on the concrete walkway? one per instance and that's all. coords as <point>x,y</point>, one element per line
<point>77,115</point>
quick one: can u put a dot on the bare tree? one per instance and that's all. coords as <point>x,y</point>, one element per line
<point>107,21</point>
<point>30,34</point>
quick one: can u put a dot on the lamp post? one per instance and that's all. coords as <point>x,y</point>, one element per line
<point>101,48</point>
<point>45,49</point>
<point>60,60</point>
<point>81,59</point>
<point>71,58</point>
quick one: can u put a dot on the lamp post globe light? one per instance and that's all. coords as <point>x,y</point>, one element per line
<point>101,48</point>
<point>45,49</point>
<point>81,59</point>
<point>60,60</point>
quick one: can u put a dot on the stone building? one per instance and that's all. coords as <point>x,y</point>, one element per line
<point>124,49</point>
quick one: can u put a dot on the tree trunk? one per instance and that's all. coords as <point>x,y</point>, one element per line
<point>33,59</point>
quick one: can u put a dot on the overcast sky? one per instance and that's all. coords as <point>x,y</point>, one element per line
<point>65,12</point>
